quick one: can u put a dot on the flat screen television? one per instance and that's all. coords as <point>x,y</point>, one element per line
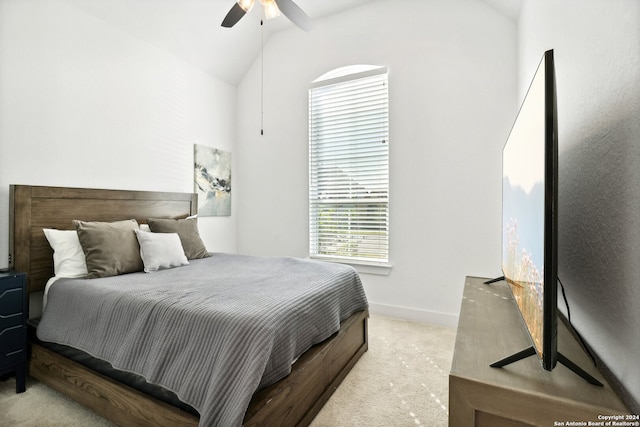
<point>529,211</point>
<point>530,217</point>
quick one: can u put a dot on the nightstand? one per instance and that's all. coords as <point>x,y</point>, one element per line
<point>13,326</point>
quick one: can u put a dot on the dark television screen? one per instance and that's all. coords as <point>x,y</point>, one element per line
<point>529,223</point>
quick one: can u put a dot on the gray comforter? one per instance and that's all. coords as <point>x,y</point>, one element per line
<point>213,332</point>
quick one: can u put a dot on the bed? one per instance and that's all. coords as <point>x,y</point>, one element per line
<point>293,400</point>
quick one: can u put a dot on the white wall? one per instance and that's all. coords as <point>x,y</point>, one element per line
<point>452,80</point>
<point>85,104</point>
<point>597,53</point>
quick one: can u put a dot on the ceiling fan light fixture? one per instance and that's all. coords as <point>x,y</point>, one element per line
<point>246,5</point>
<point>270,9</point>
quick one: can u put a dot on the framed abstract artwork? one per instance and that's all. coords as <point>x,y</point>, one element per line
<point>212,180</point>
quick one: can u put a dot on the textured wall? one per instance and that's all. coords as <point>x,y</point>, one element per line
<point>597,52</point>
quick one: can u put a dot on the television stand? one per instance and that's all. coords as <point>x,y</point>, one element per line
<point>489,327</point>
<point>531,351</point>
<point>497,279</point>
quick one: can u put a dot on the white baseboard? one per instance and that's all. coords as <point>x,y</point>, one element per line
<point>424,316</point>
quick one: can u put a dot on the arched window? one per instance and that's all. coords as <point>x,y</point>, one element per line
<point>349,165</point>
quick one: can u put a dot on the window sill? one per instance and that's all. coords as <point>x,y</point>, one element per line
<point>382,269</point>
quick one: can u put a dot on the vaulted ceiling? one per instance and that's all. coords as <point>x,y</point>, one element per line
<point>190,29</point>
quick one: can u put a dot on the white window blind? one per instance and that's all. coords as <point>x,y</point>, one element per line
<point>349,168</point>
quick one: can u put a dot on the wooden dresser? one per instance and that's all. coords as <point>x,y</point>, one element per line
<point>523,393</point>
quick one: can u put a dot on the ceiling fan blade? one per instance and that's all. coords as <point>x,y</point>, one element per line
<point>295,14</point>
<point>233,16</point>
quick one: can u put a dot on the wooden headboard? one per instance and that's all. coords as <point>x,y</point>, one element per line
<point>33,208</point>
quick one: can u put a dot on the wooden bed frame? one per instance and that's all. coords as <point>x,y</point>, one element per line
<point>294,400</point>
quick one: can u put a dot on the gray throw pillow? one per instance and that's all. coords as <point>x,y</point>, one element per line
<point>187,229</point>
<point>110,248</point>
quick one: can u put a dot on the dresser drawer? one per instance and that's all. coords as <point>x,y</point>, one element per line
<point>12,349</point>
<point>11,281</point>
<point>9,322</point>
<point>11,302</point>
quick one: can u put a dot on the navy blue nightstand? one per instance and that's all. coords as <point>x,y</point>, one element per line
<point>13,326</point>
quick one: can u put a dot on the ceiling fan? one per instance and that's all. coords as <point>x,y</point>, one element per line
<point>272,8</point>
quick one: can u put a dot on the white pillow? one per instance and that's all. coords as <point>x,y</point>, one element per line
<point>160,250</point>
<point>68,257</point>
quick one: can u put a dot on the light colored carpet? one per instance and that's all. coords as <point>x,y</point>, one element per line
<point>43,406</point>
<point>401,381</point>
